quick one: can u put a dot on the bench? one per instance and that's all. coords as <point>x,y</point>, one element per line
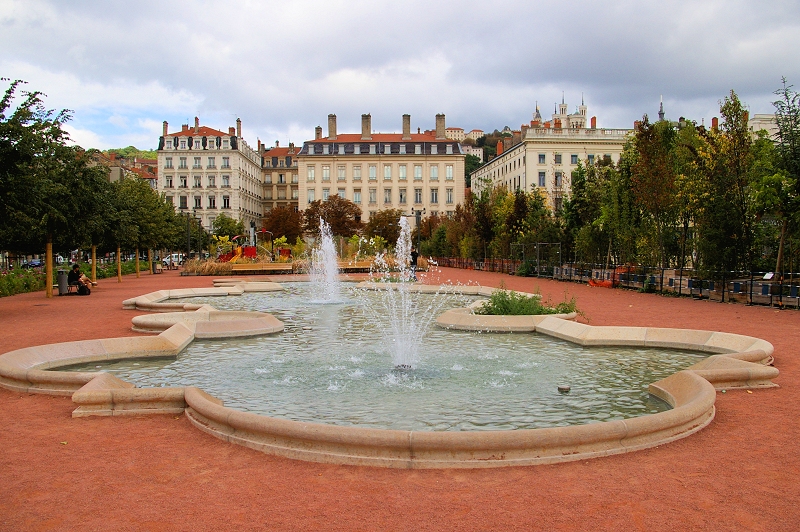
<point>262,267</point>
<point>158,268</point>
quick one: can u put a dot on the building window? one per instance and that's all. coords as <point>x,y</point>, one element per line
<point>434,149</point>
<point>402,171</point>
<point>211,162</point>
<point>268,178</point>
<point>591,159</point>
<point>226,162</point>
<point>341,193</point>
<point>373,172</point>
<point>418,149</point>
<point>170,200</point>
<point>310,173</point>
<point>226,202</point>
<point>402,149</point>
<point>607,157</point>
<point>326,193</point>
<point>373,195</point>
<point>357,172</point>
<point>387,195</point>
<point>226,181</point>
<point>417,172</point>
<point>387,149</point>
<point>268,194</point>
<point>212,181</point>
<point>281,193</point>
<point>184,181</point>
<point>418,195</point>
<point>542,158</point>
<point>449,149</point>
<point>168,162</point>
<point>387,172</point>
<point>168,181</point>
<point>212,202</point>
<point>558,179</point>
<point>183,144</point>
<point>403,196</point>
<point>340,173</point>
<point>558,158</point>
<point>196,163</point>
<point>434,195</point>
<point>448,172</point>
<point>542,179</point>
<point>372,149</point>
<point>295,193</point>
<point>225,144</point>
<point>573,159</point>
<point>183,163</point>
<point>311,195</point>
<point>294,178</point>
<point>326,172</point>
<point>168,145</point>
<point>197,180</point>
<point>557,203</point>
<point>183,202</point>
<point>357,149</point>
<point>324,149</point>
<point>281,179</point>
<point>357,196</point>
<point>434,172</point>
<point>341,149</point>
<point>449,195</point>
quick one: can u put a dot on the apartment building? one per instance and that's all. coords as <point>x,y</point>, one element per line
<point>548,151</point>
<point>206,172</point>
<point>280,175</point>
<point>406,171</point>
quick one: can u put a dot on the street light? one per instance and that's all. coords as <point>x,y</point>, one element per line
<point>417,213</point>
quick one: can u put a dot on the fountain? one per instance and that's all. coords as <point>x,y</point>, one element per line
<point>324,268</point>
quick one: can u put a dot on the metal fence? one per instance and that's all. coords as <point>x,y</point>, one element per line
<point>751,288</point>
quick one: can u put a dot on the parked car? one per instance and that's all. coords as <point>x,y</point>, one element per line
<point>175,259</point>
<point>33,263</point>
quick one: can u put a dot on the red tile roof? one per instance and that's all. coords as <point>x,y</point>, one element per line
<point>281,151</point>
<point>380,137</point>
<point>202,131</point>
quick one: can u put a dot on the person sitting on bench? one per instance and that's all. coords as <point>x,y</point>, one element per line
<point>76,278</point>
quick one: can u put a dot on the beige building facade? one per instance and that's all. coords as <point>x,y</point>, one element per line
<point>207,172</point>
<point>379,171</point>
<point>280,175</point>
<point>548,153</point>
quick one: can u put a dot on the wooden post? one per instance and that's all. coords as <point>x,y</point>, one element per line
<point>119,265</point>
<point>94,263</point>
<point>137,262</point>
<point>48,268</point>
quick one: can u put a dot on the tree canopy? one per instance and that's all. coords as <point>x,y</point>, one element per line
<point>342,215</point>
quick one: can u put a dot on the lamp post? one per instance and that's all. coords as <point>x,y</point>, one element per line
<point>417,213</point>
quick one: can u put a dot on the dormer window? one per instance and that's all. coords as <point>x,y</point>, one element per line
<point>324,149</point>
<point>434,149</point>
<point>387,149</point>
<point>418,149</point>
<point>341,149</point>
<point>225,144</point>
<point>183,144</point>
<point>168,144</point>
<point>402,149</point>
<point>372,149</point>
<point>357,149</point>
<point>449,149</point>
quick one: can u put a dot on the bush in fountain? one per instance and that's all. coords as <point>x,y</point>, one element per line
<point>509,303</point>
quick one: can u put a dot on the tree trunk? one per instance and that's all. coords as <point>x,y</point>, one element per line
<point>150,260</point>
<point>94,263</point>
<point>137,262</point>
<point>48,266</point>
<point>119,265</point>
<point>779,262</point>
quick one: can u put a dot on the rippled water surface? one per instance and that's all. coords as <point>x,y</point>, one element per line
<point>333,365</point>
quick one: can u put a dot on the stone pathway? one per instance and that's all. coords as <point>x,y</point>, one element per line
<point>160,473</point>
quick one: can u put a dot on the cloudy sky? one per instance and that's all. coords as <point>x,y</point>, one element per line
<point>124,67</point>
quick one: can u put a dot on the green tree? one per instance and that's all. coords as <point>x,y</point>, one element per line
<point>471,163</point>
<point>224,225</point>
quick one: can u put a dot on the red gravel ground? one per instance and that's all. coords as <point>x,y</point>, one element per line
<point>160,473</point>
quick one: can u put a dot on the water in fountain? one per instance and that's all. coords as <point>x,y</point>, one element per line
<point>324,269</point>
<point>402,318</point>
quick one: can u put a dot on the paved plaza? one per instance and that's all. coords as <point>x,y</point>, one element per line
<point>161,473</point>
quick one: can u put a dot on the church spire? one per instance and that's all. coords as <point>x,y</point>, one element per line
<point>661,109</point>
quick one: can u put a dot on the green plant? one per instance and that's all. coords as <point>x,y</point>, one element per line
<point>21,281</point>
<point>509,303</point>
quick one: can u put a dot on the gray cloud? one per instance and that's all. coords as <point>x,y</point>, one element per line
<point>283,66</point>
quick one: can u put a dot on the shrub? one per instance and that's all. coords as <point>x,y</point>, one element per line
<point>508,303</point>
<point>21,281</point>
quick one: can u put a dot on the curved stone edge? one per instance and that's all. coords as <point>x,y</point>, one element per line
<point>160,300</point>
<point>211,323</point>
<point>467,290</point>
<point>691,396</point>
<point>463,319</point>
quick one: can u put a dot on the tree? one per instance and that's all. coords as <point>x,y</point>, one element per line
<point>224,225</point>
<point>384,223</point>
<point>284,221</point>
<point>471,163</point>
<point>341,214</point>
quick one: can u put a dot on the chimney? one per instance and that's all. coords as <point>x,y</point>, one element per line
<point>547,125</point>
<point>636,124</point>
<point>184,127</point>
<point>366,127</point>
<point>714,123</point>
<point>499,147</point>
<point>523,129</point>
<point>317,132</point>
<point>332,127</point>
<point>277,144</point>
<point>557,123</point>
<point>239,128</point>
<point>231,131</point>
<point>166,127</point>
<point>417,131</point>
<point>259,146</point>
<point>196,125</point>
<point>406,127</point>
<point>291,146</point>
<point>594,122</point>
<point>440,131</point>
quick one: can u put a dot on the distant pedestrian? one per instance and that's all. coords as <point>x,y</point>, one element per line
<point>413,263</point>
